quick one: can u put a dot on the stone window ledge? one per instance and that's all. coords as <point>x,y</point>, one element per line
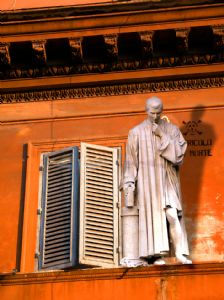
<point>209,268</point>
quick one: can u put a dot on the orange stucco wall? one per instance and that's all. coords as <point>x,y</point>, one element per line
<point>29,129</point>
<point>49,125</point>
<point>23,4</point>
<point>184,287</point>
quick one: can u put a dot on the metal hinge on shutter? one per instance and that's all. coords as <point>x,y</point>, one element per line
<point>118,249</point>
<point>41,168</point>
<point>39,211</point>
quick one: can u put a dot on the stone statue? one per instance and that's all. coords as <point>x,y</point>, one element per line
<point>155,150</point>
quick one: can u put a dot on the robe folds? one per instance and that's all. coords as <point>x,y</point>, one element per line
<point>152,164</point>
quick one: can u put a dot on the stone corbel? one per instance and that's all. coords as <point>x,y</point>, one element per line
<point>39,48</point>
<point>218,32</point>
<point>146,43</point>
<point>111,45</point>
<point>5,58</point>
<point>182,39</point>
<point>76,49</point>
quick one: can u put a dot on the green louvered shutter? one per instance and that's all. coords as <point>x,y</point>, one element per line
<point>60,210</point>
<point>99,199</point>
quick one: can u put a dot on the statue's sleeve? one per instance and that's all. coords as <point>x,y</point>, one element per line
<point>173,146</point>
<point>131,160</point>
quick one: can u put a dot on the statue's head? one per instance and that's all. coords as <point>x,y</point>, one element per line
<point>154,108</point>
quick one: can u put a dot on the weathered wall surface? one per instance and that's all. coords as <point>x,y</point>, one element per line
<point>29,129</point>
<point>51,125</point>
<point>22,4</point>
<point>195,282</point>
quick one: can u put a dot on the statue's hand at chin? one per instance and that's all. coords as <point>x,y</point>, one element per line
<point>156,129</point>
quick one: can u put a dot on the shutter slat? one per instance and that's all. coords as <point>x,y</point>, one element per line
<point>59,182</point>
<point>57,245</point>
<point>99,169</point>
<point>58,203</point>
<point>100,187</point>
<point>99,241</point>
<point>97,178</point>
<point>52,233</point>
<point>52,190</point>
<point>61,248</point>
<point>58,224</point>
<point>100,216</point>
<point>98,196</point>
<point>98,211</point>
<point>59,217</point>
<point>52,255</point>
<point>99,248</point>
<point>99,203</point>
<point>95,212</point>
<point>100,208</point>
<point>95,162</point>
<point>104,221</point>
<point>64,240</point>
<point>101,229</point>
<point>64,218</point>
<point>62,235</point>
<point>99,183</point>
<point>59,192</point>
<point>97,191</point>
<point>92,232</point>
<point>98,153</point>
<point>60,256</point>
<point>58,211</point>
<point>100,174</point>
<point>95,254</point>
<point>98,156</point>
<point>57,170</point>
<point>99,225</point>
<point>58,197</point>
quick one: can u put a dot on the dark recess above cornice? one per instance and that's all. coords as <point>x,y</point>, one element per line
<point>96,9</point>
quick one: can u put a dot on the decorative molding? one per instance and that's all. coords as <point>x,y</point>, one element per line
<point>76,49</point>
<point>5,58</point>
<point>113,90</point>
<point>111,45</point>
<point>40,51</point>
<point>182,39</point>
<point>147,45</point>
<point>218,32</point>
<point>199,269</point>
<point>122,65</point>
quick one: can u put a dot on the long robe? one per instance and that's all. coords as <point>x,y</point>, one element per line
<point>152,163</point>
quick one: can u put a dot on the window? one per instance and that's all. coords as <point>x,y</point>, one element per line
<point>79,208</point>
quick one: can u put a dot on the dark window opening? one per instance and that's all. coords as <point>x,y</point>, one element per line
<point>164,42</point>
<point>200,39</point>
<point>129,46</point>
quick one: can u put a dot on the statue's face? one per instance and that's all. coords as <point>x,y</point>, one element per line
<point>154,113</point>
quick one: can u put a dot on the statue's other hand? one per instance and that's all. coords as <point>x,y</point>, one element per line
<point>129,194</point>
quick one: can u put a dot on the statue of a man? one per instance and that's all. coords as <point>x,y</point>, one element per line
<point>155,150</point>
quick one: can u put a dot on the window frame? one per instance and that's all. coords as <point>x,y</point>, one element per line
<point>30,234</point>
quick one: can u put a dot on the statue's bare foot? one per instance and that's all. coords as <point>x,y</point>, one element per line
<point>183,260</point>
<point>159,262</point>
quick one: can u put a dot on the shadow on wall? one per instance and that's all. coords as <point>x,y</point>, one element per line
<point>201,138</point>
<point>21,208</point>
